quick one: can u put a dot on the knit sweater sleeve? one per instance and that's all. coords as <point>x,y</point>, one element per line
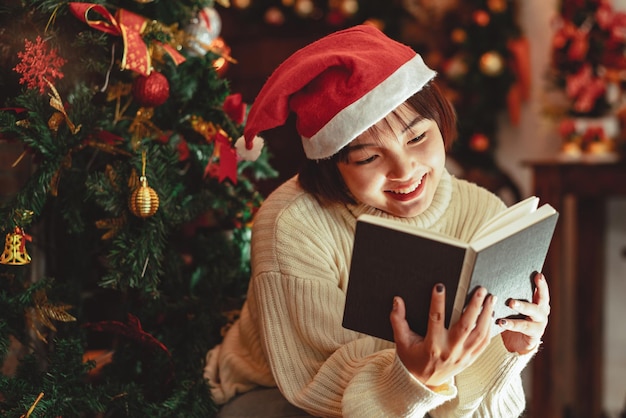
<point>298,301</point>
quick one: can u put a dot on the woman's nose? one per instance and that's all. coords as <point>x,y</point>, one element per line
<point>401,166</point>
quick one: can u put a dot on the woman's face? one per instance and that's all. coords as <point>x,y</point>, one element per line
<point>396,165</point>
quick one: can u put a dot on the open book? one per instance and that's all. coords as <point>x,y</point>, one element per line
<point>393,259</point>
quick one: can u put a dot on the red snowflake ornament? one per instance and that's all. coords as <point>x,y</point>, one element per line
<point>38,65</point>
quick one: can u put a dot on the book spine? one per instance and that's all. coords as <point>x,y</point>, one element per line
<point>463,287</point>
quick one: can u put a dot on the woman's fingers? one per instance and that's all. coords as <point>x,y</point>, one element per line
<point>402,333</point>
<point>437,312</point>
<point>542,293</point>
<point>399,324</point>
<point>468,320</point>
<point>536,313</point>
<point>482,305</point>
<point>526,333</point>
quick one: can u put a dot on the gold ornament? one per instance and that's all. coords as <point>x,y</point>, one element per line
<point>144,201</point>
<point>57,104</point>
<point>44,313</point>
<point>15,248</point>
<point>491,63</point>
<point>55,121</point>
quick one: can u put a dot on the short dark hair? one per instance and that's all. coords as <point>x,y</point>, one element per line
<point>322,178</point>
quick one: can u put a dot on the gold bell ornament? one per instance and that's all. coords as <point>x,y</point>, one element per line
<point>143,201</point>
<point>15,248</point>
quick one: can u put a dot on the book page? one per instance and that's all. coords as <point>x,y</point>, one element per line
<point>513,227</point>
<point>411,229</point>
<point>506,217</point>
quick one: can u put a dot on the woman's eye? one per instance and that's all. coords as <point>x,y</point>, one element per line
<point>418,138</point>
<point>366,160</point>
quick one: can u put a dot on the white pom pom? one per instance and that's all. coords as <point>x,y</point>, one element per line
<point>249,154</point>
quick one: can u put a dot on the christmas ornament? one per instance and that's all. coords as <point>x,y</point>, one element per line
<point>497,6</point>
<point>100,358</point>
<point>204,128</point>
<point>203,30</point>
<point>223,162</point>
<point>304,8</point>
<point>126,24</point>
<point>54,123</point>
<point>349,7</point>
<point>143,201</point>
<point>274,16</point>
<point>152,90</point>
<point>133,331</point>
<point>57,104</point>
<point>44,313</point>
<point>241,4</point>
<point>479,142</point>
<point>458,36</point>
<point>491,63</point>
<point>38,65</point>
<point>235,108</point>
<point>455,68</point>
<point>481,18</point>
<point>130,27</point>
<point>143,127</point>
<point>15,248</point>
<point>219,46</point>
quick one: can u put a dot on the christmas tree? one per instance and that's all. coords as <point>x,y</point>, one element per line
<point>137,212</point>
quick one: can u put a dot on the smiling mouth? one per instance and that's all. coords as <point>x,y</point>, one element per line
<point>406,190</point>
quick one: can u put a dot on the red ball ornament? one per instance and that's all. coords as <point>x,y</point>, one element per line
<point>152,90</point>
<point>479,142</point>
<point>481,18</point>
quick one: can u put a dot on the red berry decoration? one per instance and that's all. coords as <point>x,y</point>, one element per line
<point>152,90</point>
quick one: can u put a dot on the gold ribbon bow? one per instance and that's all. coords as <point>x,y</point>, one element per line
<point>129,26</point>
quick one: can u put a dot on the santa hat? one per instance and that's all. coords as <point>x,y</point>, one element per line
<point>338,87</point>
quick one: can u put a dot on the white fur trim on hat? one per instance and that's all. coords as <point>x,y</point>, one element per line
<point>356,118</point>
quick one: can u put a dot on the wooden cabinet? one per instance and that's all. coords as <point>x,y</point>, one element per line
<point>567,371</point>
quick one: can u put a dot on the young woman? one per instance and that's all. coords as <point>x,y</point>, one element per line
<point>374,128</point>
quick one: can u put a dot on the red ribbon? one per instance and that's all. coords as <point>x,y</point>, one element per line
<point>25,237</point>
<point>129,26</point>
<point>228,159</point>
<point>227,165</point>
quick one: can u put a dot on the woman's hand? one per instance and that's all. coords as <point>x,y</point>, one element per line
<point>443,353</point>
<point>523,335</point>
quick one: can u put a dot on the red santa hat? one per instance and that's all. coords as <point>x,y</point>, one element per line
<point>338,87</point>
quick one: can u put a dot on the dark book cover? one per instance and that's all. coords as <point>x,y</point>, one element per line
<point>388,262</point>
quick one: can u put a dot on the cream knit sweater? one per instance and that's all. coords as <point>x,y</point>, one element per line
<point>290,335</point>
